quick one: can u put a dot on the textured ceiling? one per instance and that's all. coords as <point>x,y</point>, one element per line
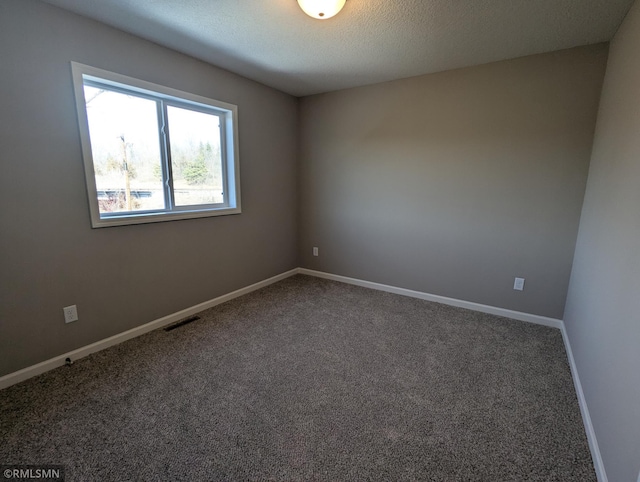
<point>274,42</point>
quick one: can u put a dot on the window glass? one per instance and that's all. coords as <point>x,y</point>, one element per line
<point>125,146</point>
<point>196,159</point>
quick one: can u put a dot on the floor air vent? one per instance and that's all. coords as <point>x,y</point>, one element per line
<point>181,323</point>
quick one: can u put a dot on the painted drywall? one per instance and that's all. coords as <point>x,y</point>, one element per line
<point>120,277</point>
<point>454,183</point>
<point>602,316</point>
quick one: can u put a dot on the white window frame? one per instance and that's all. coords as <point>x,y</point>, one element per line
<point>228,114</point>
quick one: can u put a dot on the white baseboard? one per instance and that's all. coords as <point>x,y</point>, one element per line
<point>584,410</point>
<point>492,310</point>
<point>32,371</point>
<point>25,373</point>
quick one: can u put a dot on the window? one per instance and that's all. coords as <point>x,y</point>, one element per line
<point>152,153</point>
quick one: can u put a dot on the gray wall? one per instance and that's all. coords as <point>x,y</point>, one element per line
<point>603,306</point>
<point>454,183</point>
<point>125,276</point>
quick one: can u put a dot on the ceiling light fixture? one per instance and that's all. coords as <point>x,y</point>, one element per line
<point>321,9</point>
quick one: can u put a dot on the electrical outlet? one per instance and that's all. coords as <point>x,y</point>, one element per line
<point>70,313</point>
<point>315,251</point>
<point>518,284</point>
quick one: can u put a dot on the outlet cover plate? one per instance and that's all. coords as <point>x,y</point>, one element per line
<point>70,313</point>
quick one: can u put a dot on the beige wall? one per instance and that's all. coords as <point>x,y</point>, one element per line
<point>454,183</point>
<point>120,277</point>
<point>603,306</point>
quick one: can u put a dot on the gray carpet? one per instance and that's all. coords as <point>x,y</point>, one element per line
<point>311,380</point>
